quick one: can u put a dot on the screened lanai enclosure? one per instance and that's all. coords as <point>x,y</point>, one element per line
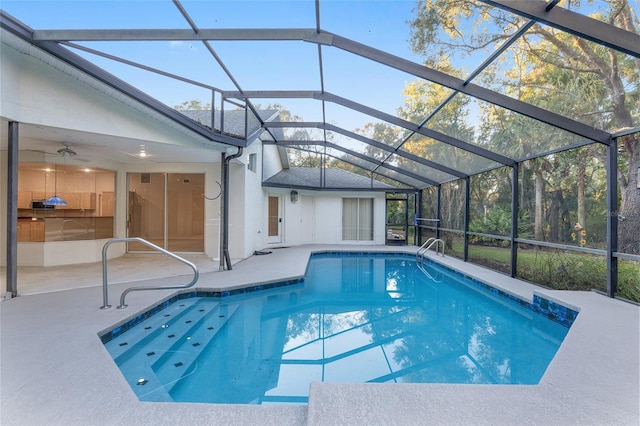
<point>508,129</point>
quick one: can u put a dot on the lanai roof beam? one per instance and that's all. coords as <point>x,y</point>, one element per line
<point>574,23</point>
<point>428,182</point>
<point>376,144</point>
<point>473,90</point>
<point>373,113</point>
<point>15,27</point>
<point>362,166</point>
<point>405,154</point>
<point>327,38</point>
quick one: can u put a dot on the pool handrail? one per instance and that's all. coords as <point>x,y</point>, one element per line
<point>424,271</point>
<point>427,245</point>
<point>105,295</point>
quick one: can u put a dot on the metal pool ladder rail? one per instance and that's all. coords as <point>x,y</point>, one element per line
<point>105,295</point>
<point>423,249</point>
<point>427,245</point>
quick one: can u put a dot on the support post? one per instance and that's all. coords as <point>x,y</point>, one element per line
<point>612,218</point>
<point>223,202</point>
<point>439,213</point>
<point>213,110</point>
<point>406,219</point>
<point>418,209</point>
<point>467,197</point>
<point>514,219</point>
<point>12,211</point>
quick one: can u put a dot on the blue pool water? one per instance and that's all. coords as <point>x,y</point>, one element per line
<point>365,318</point>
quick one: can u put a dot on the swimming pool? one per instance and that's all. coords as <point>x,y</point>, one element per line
<point>355,318</point>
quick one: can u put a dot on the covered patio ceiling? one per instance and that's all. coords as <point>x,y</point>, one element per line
<point>346,78</point>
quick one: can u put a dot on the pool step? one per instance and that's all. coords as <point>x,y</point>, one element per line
<point>157,335</point>
<point>142,334</point>
<point>181,359</point>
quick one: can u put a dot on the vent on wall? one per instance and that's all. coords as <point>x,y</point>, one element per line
<point>145,177</point>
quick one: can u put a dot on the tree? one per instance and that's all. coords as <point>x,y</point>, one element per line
<point>191,105</point>
<point>591,83</point>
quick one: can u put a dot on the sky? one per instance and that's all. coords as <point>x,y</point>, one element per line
<point>259,65</point>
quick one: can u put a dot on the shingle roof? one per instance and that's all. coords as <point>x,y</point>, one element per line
<point>234,120</point>
<point>309,177</point>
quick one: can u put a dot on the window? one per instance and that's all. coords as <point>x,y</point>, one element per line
<point>252,162</point>
<point>89,194</point>
<point>357,219</point>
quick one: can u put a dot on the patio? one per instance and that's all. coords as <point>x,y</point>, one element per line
<point>56,371</point>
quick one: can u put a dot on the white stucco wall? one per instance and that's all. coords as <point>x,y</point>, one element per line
<point>254,235</point>
<point>58,96</point>
<point>237,210</point>
<point>272,163</point>
<point>328,217</point>
<point>35,90</point>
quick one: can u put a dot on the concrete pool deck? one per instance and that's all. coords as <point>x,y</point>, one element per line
<point>55,371</point>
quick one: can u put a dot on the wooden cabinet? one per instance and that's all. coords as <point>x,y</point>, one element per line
<point>107,204</point>
<point>30,231</point>
<point>75,200</point>
<point>24,199</point>
<point>87,200</point>
<point>37,231</point>
<point>38,195</point>
<point>24,231</point>
<point>78,200</point>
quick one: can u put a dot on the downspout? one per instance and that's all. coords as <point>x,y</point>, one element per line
<point>224,219</point>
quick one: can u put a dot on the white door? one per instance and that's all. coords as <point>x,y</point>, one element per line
<point>274,220</point>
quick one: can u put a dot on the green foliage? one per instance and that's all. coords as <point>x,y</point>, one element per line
<point>563,270</point>
<point>193,104</point>
<point>497,221</point>
<point>551,69</point>
<point>559,269</point>
<point>629,280</point>
<point>396,212</point>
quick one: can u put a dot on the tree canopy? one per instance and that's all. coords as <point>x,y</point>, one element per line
<point>548,68</point>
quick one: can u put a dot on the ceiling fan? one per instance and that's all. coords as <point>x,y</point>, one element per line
<point>66,153</point>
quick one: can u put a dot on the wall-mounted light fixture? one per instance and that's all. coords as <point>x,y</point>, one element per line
<point>294,196</point>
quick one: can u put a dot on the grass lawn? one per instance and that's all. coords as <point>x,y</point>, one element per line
<point>558,269</point>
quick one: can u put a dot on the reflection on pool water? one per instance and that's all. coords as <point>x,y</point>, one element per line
<point>358,318</point>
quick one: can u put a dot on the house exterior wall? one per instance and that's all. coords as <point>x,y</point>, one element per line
<point>37,93</point>
<point>254,233</point>
<point>270,161</point>
<point>237,209</point>
<point>328,214</point>
<point>47,94</point>
<point>316,218</point>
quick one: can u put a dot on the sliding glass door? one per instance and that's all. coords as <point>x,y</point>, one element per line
<point>357,219</point>
<point>166,209</point>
